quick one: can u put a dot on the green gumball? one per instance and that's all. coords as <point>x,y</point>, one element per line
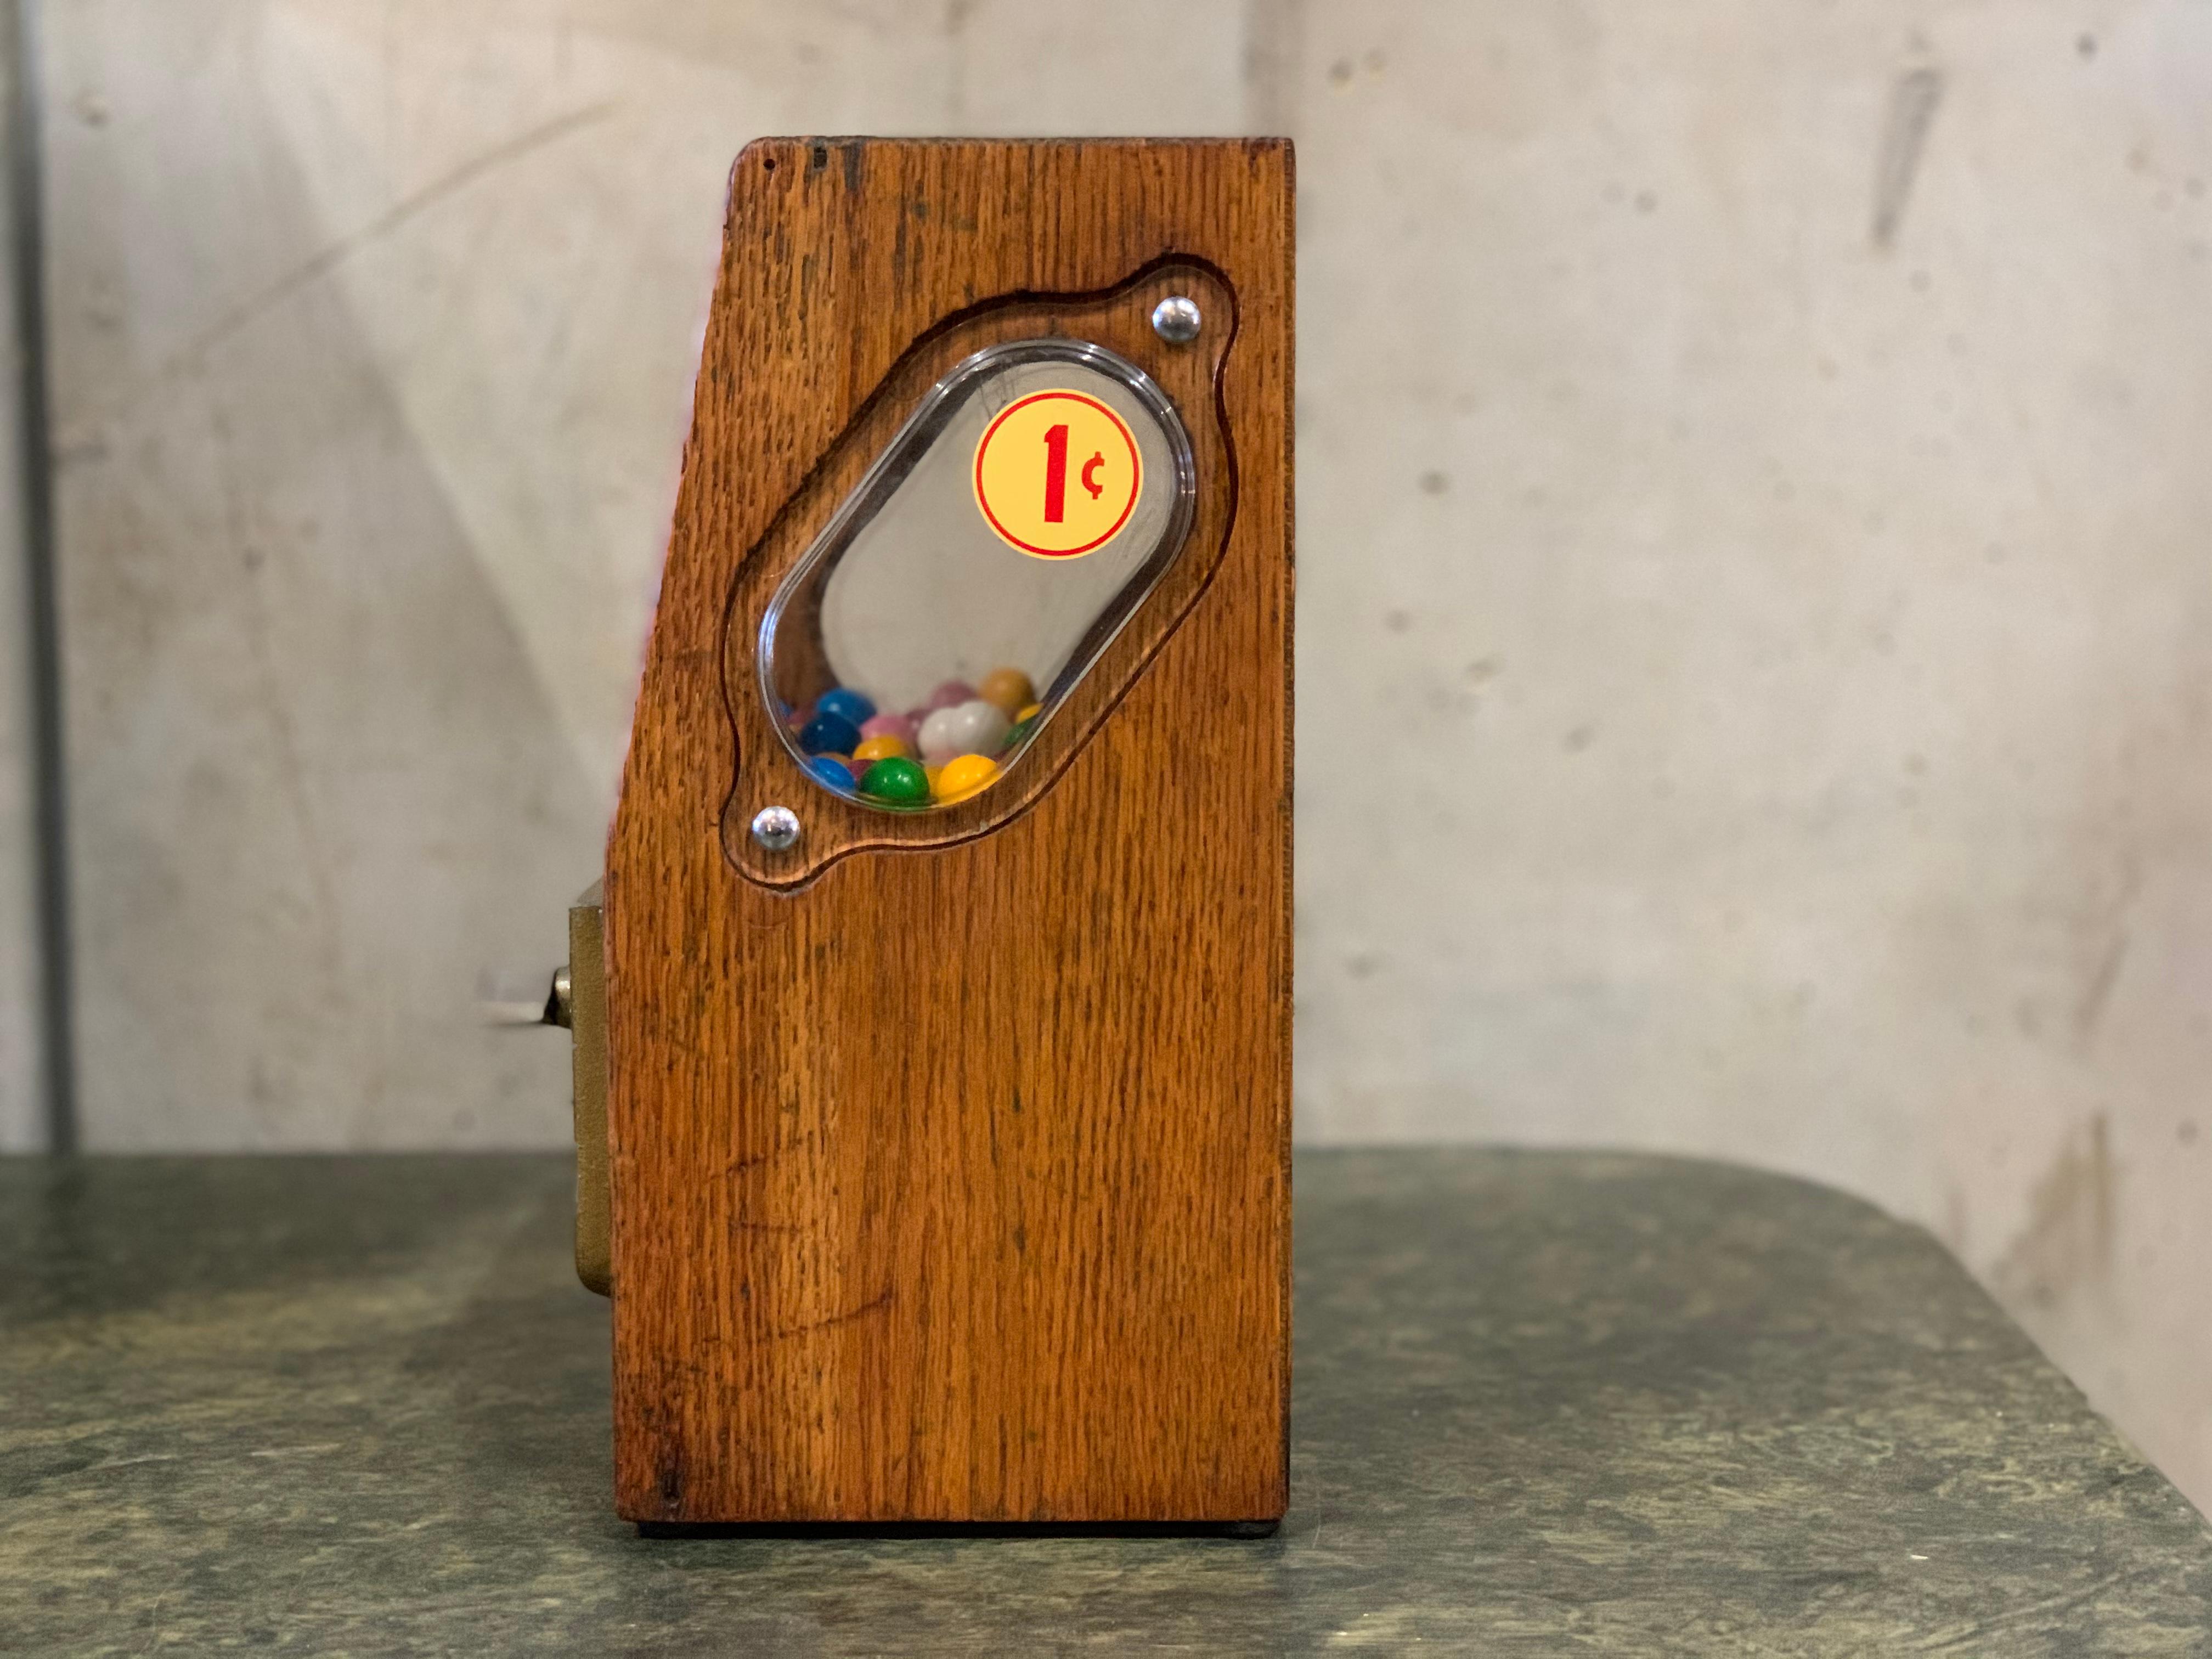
<point>896,781</point>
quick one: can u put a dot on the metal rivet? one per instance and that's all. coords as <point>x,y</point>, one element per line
<point>776,827</point>
<point>1174,319</point>
<point>561,1002</point>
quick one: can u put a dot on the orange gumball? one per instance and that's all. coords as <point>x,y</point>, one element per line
<point>1007,689</point>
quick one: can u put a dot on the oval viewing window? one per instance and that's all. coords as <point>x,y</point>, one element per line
<point>990,554</point>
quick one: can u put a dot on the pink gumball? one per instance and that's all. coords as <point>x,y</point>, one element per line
<point>890,726</point>
<point>950,694</point>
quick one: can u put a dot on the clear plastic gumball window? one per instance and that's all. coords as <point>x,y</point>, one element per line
<point>1002,539</point>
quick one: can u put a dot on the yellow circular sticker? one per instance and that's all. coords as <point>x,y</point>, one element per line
<point>1057,474</point>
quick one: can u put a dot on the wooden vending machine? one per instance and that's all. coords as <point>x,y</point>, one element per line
<point>933,1018</point>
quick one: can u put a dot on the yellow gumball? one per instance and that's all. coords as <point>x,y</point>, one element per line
<point>933,773</point>
<point>958,779</point>
<point>1007,689</point>
<point>1029,713</point>
<point>885,747</point>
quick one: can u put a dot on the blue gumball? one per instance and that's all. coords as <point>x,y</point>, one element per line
<point>846,704</point>
<point>829,734</point>
<point>832,771</point>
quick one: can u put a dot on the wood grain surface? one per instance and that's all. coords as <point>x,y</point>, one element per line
<point>953,1185</point>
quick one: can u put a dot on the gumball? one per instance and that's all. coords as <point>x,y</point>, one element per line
<point>950,694</point>
<point>901,726</point>
<point>832,770</point>
<point>876,749</point>
<point>976,727</point>
<point>1029,713</point>
<point>932,773</point>
<point>937,737</point>
<point>845,702</point>
<point>1009,688</point>
<point>1020,730</point>
<point>957,780</point>
<point>829,734</point>
<point>895,780</point>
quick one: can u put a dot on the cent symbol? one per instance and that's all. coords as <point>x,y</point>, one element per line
<point>1022,466</point>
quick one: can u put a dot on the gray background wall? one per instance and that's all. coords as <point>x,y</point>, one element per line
<point>24,1116</point>
<point>1753,672</point>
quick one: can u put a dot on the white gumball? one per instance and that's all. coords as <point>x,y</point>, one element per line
<point>975,727</point>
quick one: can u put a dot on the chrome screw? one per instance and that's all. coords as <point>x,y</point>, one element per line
<point>776,827</point>
<point>1174,319</point>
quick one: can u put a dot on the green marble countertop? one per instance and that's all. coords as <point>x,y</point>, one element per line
<point>1544,1403</point>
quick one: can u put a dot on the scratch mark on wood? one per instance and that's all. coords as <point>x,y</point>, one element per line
<point>873,1305</point>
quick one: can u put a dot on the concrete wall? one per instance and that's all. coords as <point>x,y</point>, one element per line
<point>1753,678</point>
<point>23,1116</point>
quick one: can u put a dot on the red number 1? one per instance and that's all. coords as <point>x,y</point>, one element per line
<point>1056,474</point>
